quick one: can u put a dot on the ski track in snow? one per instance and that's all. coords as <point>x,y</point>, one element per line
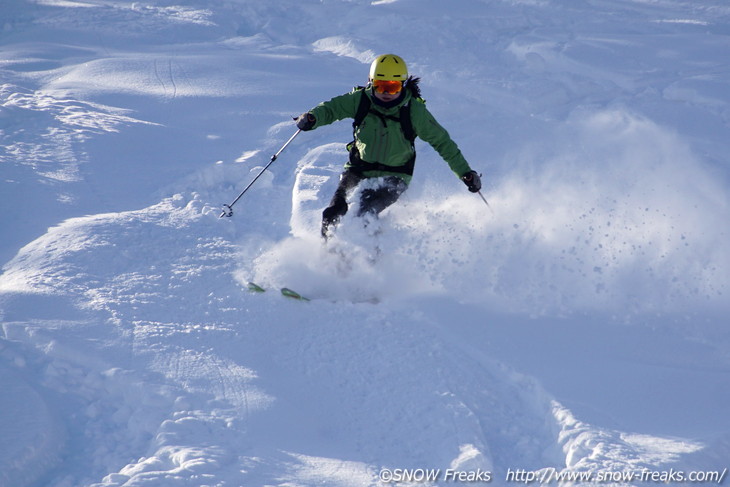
<point>439,337</point>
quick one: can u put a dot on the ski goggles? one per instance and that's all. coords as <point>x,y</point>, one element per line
<point>389,87</point>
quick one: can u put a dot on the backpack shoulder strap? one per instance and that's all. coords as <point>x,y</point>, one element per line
<point>362,109</point>
<point>405,111</point>
<point>406,124</point>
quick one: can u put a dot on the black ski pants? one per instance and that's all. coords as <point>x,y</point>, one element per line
<point>372,200</point>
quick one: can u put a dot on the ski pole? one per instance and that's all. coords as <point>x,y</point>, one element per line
<point>485,201</point>
<point>228,209</point>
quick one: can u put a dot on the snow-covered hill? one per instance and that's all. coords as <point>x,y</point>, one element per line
<point>581,328</point>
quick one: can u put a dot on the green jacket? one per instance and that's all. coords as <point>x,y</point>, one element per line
<point>381,140</point>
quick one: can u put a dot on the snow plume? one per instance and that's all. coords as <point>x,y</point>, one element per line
<point>612,212</point>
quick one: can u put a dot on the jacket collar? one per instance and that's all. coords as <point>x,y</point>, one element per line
<point>397,103</point>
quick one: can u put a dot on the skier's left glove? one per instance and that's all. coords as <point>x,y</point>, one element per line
<point>473,181</point>
<point>306,121</point>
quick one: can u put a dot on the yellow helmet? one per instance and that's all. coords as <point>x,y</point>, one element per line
<point>388,67</point>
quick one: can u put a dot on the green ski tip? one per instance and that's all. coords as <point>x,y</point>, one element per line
<point>255,288</point>
<point>292,294</point>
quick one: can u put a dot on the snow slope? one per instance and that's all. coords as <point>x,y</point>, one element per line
<point>580,328</point>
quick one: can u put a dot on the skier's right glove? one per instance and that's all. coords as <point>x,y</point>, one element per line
<point>473,181</point>
<point>305,121</point>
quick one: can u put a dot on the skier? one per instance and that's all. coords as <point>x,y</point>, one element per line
<point>388,114</point>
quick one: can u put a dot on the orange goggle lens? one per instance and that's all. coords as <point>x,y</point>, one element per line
<point>389,87</point>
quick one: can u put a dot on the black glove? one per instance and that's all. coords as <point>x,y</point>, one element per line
<point>473,181</point>
<point>306,121</point>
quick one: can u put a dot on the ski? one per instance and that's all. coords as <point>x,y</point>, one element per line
<point>255,288</point>
<point>289,293</point>
<point>286,292</point>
